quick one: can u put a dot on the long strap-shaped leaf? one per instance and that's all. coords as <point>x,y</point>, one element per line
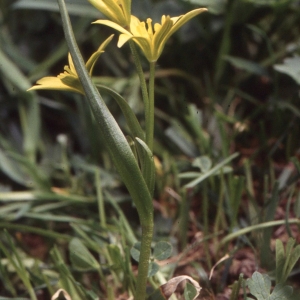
<point>116,142</point>
<point>129,115</point>
<point>145,154</point>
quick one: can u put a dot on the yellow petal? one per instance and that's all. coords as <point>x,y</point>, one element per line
<point>138,28</point>
<point>185,18</point>
<point>112,25</point>
<point>117,11</point>
<point>126,4</point>
<point>105,43</point>
<point>53,83</point>
<point>92,60</point>
<point>123,38</point>
<point>110,9</point>
<point>146,47</point>
<point>160,36</point>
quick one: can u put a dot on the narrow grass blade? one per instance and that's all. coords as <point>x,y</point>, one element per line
<point>211,171</point>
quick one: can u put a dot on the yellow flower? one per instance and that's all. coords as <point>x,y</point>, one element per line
<point>118,11</point>
<point>151,40</point>
<point>68,80</point>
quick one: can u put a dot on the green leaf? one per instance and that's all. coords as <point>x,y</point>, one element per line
<point>135,251</point>
<point>246,65</point>
<point>292,259</point>
<point>115,255</point>
<point>190,292</point>
<point>269,2</point>
<point>211,172</point>
<point>280,260</point>
<point>162,250</point>
<point>80,256</point>
<point>260,285</point>
<point>29,107</point>
<point>153,269</point>
<point>281,292</point>
<point>12,169</point>
<point>285,260</point>
<point>181,138</point>
<point>297,205</point>
<point>38,178</point>
<point>148,167</point>
<point>204,163</point>
<point>291,67</point>
<point>130,117</point>
<point>214,6</point>
<point>236,288</point>
<point>77,7</point>
<point>66,279</point>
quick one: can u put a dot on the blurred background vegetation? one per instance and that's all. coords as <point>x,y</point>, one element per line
<point>227,83</point>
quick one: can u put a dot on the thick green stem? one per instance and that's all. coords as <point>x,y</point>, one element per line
<point>147,234</point>
<point>150,132</point>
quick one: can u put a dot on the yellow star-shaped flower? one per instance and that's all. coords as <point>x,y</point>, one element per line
<point>118,11</point>
<point>68,80</point>
<point>151,40</point>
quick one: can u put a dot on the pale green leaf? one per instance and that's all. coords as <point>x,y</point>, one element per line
<point>190,292</point>
<point>80,256</point>
<point>259,286</point>
<point>280,260</point>
<point>281,292</point>
<point>214,6</point>
<point>291,67</point>
<point>135,251</point>
<point>153,269</point>
<point>75,7</point>
<point>162,250</point>
<point>246,65</point>
<point>204,163</point>
<point>147,165</point>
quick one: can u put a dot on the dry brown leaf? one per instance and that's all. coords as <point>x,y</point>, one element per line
<point>56,295</point>
<point>170,287</point>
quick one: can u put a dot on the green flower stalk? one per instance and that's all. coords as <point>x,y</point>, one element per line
<point>151,39</point>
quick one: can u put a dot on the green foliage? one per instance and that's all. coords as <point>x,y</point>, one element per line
<point>260,285</point>
<point>17,262</point>
<point>214,6</point>
<point>285,260</point>
<point>135,251</point>
<point>190,292</point>
<point>270,2</point>
<point>231,92</point>
<point>291,67</point>
<point>80,256</point>
<point>162,250</point>
<point>236,287</point>
<point>78,7</point>
<point>200,176</point>
<point>246,65</point>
